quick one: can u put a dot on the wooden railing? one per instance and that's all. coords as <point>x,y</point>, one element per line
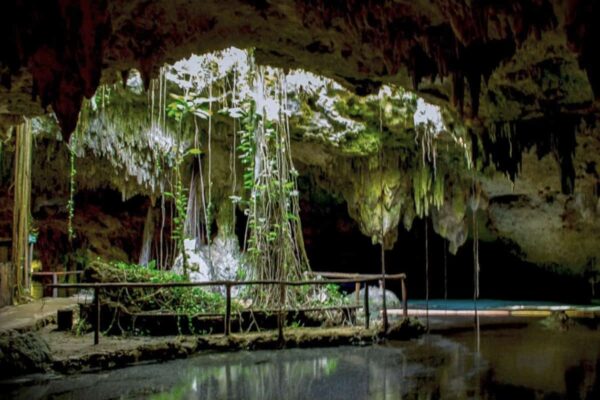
<point>55,275</point>
<point>338,278</point>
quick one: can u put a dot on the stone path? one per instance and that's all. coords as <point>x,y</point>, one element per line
<point>34,315</point>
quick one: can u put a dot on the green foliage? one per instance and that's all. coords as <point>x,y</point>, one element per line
<point>81,327</point>
<point>179,197</point>
<point>328,295</point>
<point>188,104</point>
<point>182,300</point>
<point>102,98</point>
<point>333,295</point>
<point>249,120</point>
<point>366,143</point>
<point>179,108</point>
<point>149,273</point>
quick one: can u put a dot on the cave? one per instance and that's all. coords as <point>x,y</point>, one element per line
<point>180,178</point>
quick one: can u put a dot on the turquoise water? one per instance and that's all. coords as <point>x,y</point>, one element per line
<point>505,363</point>
<point>489,304</point>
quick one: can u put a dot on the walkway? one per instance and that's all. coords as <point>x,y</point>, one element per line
<point>34,315</point>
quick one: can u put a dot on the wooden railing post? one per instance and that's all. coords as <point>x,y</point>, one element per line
<point>384,305</point>
<point>357,292</point>
<point>228,309</point>
<point>280,319</point>
<point>366,305</point>
<point>404,299</point>
<point>97,328</point>
<point>54,282</point>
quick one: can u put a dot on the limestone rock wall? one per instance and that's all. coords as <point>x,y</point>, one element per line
<point>57,53</point>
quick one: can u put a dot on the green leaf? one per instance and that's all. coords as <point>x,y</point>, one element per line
<point>292,217</point>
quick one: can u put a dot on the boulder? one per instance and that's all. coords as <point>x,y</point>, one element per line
<point>376,300</point>
<point>407,328</point>
<point>222,263</point>
<point>22,353</point>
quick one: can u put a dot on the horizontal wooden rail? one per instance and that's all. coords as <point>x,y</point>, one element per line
<point>337,278</point>
<point>346,275</point>
<point>58,273</point>
<point>55,275</point>
<point>266,310</point>
<point>108,285</point>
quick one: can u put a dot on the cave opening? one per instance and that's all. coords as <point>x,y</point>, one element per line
<point>196,201</point>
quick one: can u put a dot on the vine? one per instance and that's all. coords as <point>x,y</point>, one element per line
<point>178,109</point>
<point>72,187</point>
<point>273,237</point>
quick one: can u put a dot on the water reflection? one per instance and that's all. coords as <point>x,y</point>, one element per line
<point>538,363</point>
<point>512,363</point>
<point>424,372</point>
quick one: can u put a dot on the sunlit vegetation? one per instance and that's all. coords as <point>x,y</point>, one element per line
<point>215,137</point>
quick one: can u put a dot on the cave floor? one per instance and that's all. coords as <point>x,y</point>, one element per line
<point>36,314</point>
<point>76,352</point>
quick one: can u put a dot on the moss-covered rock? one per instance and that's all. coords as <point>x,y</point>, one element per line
<point>22,353</point>
<point>406,328</point>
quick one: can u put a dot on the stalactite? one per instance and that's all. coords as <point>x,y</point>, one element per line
<point>458,91</point>
<point>147,236</point>
<point>554,134</point>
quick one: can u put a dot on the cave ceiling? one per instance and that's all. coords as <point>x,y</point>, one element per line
<point>490,61</point>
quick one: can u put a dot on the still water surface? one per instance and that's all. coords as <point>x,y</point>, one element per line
<point>512,363</point>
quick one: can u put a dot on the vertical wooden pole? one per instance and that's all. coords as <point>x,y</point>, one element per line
<point>366,305</point>
<point>97,327</point>
<point>228,309</point>
<point>54,282</point>
<point>404,299</point>
<point>28,267</point>
<point>357,292</point>
<point>25,267</point>
<point>280,319</point>
<point>384,292</point>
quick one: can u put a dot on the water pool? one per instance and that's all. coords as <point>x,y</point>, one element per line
<point>493,304</point>
<point>529,362</point>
